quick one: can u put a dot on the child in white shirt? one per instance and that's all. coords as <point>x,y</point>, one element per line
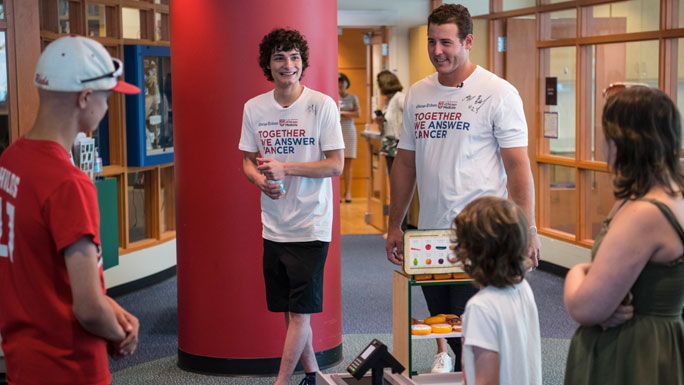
<point>501,341</point>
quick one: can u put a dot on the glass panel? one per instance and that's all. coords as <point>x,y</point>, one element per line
<point>97,20</point>
<point>4,104</point>
<point>131,23</point>
<point>2,9</point>
<point>121,195</point>
<point>476,8</point>
<point>622,17</point>
<point>619,62</point>
<point>157,26</point>
<point>164,26</point>
<point>158,112</point>
<point>561,65</point>
<point>63,16</point>
<point>375,170</point>
<point>562,200</point>
<point>559,25</point>
<point>598,200</point>
<point>101,136</point>
<point>168,200</point>
<point>139,186</point>
<point>517,4</point>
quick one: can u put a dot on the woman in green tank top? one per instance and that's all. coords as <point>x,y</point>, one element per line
<point>629,298</point>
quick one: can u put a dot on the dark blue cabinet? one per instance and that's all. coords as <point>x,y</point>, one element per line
<point>149,114</point>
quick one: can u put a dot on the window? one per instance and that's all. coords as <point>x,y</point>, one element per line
<point>561,64</point>
<point>621,17</point>
<point>559,25</point>
<point>618,62</point>
<point>586,45</point>
<point>517,4</point>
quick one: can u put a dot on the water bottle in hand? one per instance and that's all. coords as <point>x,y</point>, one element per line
<point>282,186</point>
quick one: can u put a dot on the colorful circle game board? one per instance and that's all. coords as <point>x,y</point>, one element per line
<point>430,252</point>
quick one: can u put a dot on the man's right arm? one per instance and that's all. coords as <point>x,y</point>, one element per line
<point>402,186</point>
<point>90,306</point>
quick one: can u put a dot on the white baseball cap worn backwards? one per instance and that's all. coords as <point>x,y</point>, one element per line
<point>76,63</point>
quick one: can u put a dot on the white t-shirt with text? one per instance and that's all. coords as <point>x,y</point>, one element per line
<point>457,133</point>
<point>299,133</point>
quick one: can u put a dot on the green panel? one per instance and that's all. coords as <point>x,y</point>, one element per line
<point>109,221</point>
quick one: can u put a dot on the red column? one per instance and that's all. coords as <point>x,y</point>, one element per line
<point>223,324</point>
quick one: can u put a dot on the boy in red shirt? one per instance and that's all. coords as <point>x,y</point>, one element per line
<point>56,322</point>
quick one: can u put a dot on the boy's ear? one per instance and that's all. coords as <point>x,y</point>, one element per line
<point>84,97</point>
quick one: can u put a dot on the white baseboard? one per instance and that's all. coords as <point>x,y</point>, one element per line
<point>562,253</point>
<point>142,263</point>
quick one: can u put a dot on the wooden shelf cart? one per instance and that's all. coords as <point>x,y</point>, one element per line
<point>401,316</point>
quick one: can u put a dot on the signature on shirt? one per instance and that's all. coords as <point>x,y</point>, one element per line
<point>476,102</point>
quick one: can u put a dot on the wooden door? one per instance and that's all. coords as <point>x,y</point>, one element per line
<point>519,69</point>
<point>378,191</point>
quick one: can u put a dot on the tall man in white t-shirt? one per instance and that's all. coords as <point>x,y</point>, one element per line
<point>464,137</point>
<point>292,144</point>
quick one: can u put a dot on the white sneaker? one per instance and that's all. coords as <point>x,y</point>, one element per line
<point>442,363</point>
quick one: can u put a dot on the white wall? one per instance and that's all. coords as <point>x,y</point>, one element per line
<point>142,263</point>
<point>563,253</point>
<point>398,54</point>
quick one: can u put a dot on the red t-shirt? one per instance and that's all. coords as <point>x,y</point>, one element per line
<point>46,204</point>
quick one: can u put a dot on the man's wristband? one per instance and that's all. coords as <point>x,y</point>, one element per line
<point>533,230</point>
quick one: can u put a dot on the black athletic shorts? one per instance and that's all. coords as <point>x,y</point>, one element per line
<point>293,273</point>
<point>448,299</point>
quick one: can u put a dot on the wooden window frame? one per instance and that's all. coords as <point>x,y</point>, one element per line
<point>666,35</point>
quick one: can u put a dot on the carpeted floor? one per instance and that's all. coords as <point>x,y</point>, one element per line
<point>366,314</point>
